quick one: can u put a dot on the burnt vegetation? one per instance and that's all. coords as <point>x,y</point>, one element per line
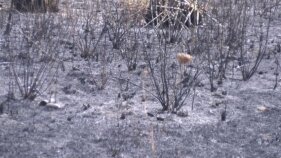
<point>160,78</point>
<point>35,5</point>
<point>223,37</point>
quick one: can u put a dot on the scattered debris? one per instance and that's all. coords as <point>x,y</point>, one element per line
<point>224,92</point>
<point>128,95</point>
<point>43,103</point>
<point>86,107</point>
<point>182,113</point>
<point>69,118</point>
<point>218,95</point>
<point>54,105</point>
<point>68,90</point>
<point>266,137</point>
<point>122,116</point>
<point>217,103</point>
<point>223,114</point>
<point>150,114</point>
<point>82,80</point>
<point>1,108</point>
<point>262,108</point>
<point>74,68</point>
<point>160,118</point>
<point>200,84</point>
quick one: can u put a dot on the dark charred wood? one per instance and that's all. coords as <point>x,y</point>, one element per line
<point>36,5</point>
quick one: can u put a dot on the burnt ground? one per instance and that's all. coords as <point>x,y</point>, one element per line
<point>113,127</point>
<point>33,131</point>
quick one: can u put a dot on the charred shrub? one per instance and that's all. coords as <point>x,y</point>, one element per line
<point>35,59</point>
<point>166,13</point>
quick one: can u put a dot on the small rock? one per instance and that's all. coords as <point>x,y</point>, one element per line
<point>75,68</point>
<point>182,113</point>
<point>32,96</point>
<point>224,92</point>
<point>86,107</point>
<point>43,103</point>
<point>69,118</point>
<point>259,141</point>
<point>122,116</point>
<point>124,104</point>
<point>213,89</point>
<point>25,129</point>
<point>223,116</point>
<point>119,95</point>
<point>262,108</point>
<point>143,98</point>
<point>159,118</point>
<point>55,105</point>
<point>82,80</point>
<point>200,85</point>
<point>150,114</point>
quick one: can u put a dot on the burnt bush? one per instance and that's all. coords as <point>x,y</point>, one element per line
<point>166,13</point>
<point>34,55</point>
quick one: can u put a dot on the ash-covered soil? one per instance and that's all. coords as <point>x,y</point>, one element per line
<point>120,123</point>
<point>108,129</point>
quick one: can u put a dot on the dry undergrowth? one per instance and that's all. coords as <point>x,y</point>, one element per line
<point>138,9</point>
<point>135,5</point>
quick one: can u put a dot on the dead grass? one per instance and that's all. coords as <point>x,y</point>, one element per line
<point>135,5</point>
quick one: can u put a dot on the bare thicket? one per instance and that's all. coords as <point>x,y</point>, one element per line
<point>130,51</point>
<point>172,81</point>
<point>235,37</point>
<point>88,30</point>
<point>90,37</point>
<point>117,21</point>
<point>248,34</point>
<point>172,86</point>
<point>34,54</point>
